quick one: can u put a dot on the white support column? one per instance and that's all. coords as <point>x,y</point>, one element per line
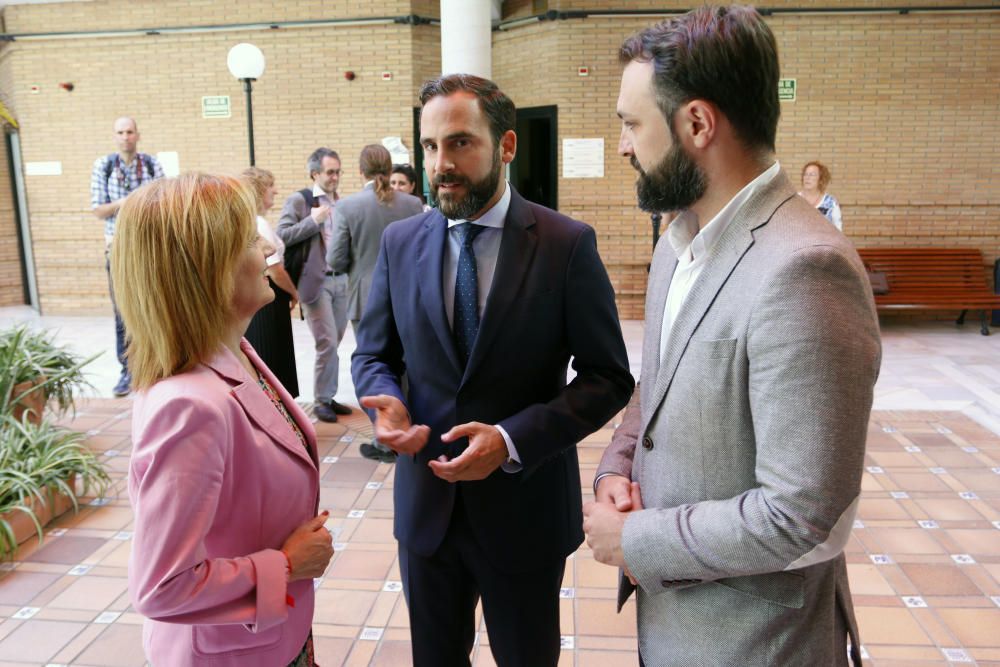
<point>466,39</point>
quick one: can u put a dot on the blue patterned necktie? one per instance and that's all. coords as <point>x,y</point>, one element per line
<point>466,312</point>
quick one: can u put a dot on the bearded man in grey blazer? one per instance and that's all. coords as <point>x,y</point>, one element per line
<point>730,489</point>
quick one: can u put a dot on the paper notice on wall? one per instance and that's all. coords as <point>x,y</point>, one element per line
<point>397,149</point>
<point>583,158</point>
<point>170,162</point>
<point>43,168</point>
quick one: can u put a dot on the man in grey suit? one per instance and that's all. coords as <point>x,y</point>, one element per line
<point>358,223</point>
<point>306,224</point>
<point>730,489</point>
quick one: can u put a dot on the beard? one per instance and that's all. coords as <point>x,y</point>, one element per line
<point>673,184</point>
<point>477,194</point>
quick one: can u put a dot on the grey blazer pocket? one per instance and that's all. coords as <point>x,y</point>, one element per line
<point>722,348</point>
<point>783,588</point>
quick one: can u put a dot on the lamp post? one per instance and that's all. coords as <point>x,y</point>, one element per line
<point>246,63</point>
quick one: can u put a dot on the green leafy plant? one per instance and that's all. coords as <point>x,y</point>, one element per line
<point>31,362</point>
<point>38,462</point>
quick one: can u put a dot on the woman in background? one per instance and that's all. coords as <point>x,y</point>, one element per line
<point>224,477</point>
<point>270,330</point>
<point>404,179</point>
<point>815,178</point>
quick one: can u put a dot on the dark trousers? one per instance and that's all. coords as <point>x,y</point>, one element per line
<point>119,324</point>
<point>521,610</point>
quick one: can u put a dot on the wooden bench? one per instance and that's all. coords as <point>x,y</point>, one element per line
<point>933,279</point>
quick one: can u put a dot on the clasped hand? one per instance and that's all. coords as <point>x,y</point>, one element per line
<point>604,519</point>
<point>487,449</point>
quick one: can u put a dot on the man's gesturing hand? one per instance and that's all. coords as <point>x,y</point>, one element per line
<point>392,424</point>
<point>486,451</point>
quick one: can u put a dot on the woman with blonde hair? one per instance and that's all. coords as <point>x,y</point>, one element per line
<point>270,330</point>
<point>223,477</point>
<point>815,179</point>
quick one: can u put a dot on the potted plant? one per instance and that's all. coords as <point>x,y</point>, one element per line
<point>41,466</point>
<point>34,371</point>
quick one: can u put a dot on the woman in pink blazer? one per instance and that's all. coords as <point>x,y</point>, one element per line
<point>224,476</point>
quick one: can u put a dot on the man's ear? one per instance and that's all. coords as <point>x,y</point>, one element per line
<point>697,123</point>
<point>508,146</point>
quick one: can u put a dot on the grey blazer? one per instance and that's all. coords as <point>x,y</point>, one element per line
<point>294,226</point>
<point>358,223</point>
<point>748,443</point>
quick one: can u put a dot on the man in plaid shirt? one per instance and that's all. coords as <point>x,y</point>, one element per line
<point>114,176</point>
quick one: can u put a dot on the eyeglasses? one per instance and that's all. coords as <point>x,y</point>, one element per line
<point>332,172</point>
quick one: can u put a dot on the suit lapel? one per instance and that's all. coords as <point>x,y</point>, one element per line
<point>430,254</point>
<point>517,249</point>
<point>258,406</point>
<point>726,255</point>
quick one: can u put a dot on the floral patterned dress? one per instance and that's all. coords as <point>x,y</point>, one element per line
<point>306,657</point>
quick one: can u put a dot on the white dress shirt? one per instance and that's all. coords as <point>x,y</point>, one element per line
<point>486,247</point>
<point>694,248</point>
<point>325,227</point>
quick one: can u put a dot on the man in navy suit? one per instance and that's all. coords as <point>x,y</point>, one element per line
<point>475,310</point>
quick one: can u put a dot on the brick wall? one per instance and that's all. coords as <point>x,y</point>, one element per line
<point>901,108</point>
<point>11,288</point>
<point>302,101</point>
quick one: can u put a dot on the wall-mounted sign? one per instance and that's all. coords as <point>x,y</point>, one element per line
<point>43,168</point>
<point>583,158</point>
<point>215,106</point>
<point>786,90</point>
<point>170,162</point>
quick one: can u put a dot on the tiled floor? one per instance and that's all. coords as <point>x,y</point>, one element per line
<point>924,557</point>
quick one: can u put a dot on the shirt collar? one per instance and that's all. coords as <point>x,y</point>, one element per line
<point>367,183</point>
<point>320,192</point>
<point>495,216</point>
<point>690,243</point>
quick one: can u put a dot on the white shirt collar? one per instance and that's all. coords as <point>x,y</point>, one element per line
<point>690,243</point>
<point>367,183</point>
<point>320,192</point>
<point>495,216</point>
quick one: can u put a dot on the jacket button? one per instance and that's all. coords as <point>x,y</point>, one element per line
<point>647,443</point>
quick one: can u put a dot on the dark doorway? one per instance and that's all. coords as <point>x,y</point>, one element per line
<point>533,171</point>
<point>417,158</point>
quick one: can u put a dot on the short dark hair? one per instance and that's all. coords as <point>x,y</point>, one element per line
<point>315,162</point>
<point>498,108</point>
<point>406,170</point>
<point>725,55</point>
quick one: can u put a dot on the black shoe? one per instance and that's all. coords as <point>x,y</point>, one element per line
<point>339,408</point>
<point>124,386</point>
<point>324,413</point>
<point>370,451</point>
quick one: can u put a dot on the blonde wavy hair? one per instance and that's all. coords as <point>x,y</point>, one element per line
<point>173,260</point>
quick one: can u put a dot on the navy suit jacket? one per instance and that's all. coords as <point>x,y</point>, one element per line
<point>551,300</point>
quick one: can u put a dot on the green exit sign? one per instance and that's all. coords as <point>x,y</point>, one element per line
<point>786,90</point>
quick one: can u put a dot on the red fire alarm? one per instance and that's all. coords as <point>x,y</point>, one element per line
<point>583,71</point>
<point>387,76</point>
